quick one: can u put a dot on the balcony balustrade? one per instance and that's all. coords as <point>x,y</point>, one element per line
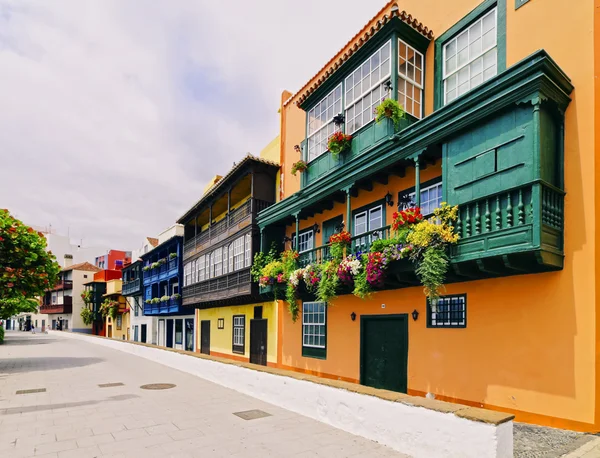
<point>66,306</point>
<point>237,220</point>
<point>233,285</point>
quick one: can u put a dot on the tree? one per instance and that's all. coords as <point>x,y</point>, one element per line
<point>26,268</point>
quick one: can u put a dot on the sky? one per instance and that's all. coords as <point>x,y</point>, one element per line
<point>114,114</point>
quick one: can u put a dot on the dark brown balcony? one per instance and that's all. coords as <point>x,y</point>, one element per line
<point>65,307</point>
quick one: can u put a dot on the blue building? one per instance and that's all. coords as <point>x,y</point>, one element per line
<point>162,275</point>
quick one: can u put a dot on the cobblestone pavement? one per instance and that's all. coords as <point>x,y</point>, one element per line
<point>75,417</point>
<point>539,442</point>
<point>589,450</point>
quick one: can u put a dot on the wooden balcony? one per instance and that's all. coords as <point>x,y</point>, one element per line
<point>65,307</point>
<point>132,288</point>
<point>170,307</point>
<point>237,220</point>
<point>63,284</point>
<point>227,289</point>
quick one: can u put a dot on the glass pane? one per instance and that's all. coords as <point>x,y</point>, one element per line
<point>451,49</point>
<point>475,31</point>
<point>475,48</point>
<point>489,22</point>
<point>462,41</point>
<point>489,39</point>
<point>463,57</point>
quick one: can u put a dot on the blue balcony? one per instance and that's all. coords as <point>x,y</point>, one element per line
<point>170,307</point>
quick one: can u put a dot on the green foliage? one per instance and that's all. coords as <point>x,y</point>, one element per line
<point>299,166</point>
<point>87,316</point>
<point>381,244</point>
<point>431,270</point>
<point>362,288</point>
<point>326,291</point>
<point>1,334</point>
<point>390,109</point>
<point>261,260</point>
<point>87,296</point>
<point>26,268</point>
<point>292,300</point>
<point>16,306</point>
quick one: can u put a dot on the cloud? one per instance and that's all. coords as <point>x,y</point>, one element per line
<point>115,113</point>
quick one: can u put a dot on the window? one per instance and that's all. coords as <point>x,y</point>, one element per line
<point>365,88</point>
<point>410,79</point>
<point>211,270</point>
<point>239,333</point>
<point>84,276</point>
<point>248,250</point>
<point>231,257</point>
<point>451,312</point>
<point>471,57</point>
<point>314,336</point>
<point>320,125</point>
<point>238,253</point>
<point>431,198</point>
<point>201,265</point>
<point>218,254</point>
<point>136,306</point>
<point>178,332</point>
<point>174,288</point>
<point>187,270</point>
<point>119,322</point>
<point>225,259</point>
<point>306,241</point>
<point>366,221</point>
<point>193,273</point>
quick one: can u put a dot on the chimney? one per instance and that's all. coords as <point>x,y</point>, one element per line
<point>68,262</point>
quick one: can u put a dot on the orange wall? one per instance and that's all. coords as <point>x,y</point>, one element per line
<point>531,342</point>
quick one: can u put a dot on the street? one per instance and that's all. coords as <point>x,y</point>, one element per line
<point>75,417</point>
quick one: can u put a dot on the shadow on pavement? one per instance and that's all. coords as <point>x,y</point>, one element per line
<point>28,339</point>
<point>48,363</point>
<point>64,405</point>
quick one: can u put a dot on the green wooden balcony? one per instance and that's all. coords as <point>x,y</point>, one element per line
<point>363,140</point>
<point>502,152</point>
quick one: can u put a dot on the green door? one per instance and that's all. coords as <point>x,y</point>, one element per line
<point>329,229</point>
<point>384,352</point>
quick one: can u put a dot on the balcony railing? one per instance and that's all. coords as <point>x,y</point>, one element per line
<point>132,287</point>
<point>359,244</point>
<point>231,224</point>
<point>163,308</point>
<point>65,307</point>
<point>222,288</point>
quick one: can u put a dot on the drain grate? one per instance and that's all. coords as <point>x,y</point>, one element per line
<point>110,385</point>
<point>252,414</point>
<point>36,390</point>
<point>158,386</point>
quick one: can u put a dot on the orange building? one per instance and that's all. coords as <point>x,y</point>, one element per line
<point>500,99</point>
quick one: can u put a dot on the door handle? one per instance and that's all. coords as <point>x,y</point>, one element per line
<point>262,347</point>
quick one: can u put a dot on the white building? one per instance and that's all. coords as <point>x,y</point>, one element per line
<point>63,303</point>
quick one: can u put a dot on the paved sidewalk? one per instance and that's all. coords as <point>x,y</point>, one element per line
<point>75,417</point>
<point>589,450</point>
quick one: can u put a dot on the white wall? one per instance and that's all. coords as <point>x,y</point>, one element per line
<point>176,229</point>
<point>61,245</point>
<point>416,431</point>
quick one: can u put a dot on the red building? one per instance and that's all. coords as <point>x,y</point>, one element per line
<point>113,260</point>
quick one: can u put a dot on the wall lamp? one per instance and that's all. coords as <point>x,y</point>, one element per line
<point>389,199</point>
<point>415,314</point>
<point>297,148</point>
<point>315,228</point>
<point>286,239</point>
<point>353,316</point>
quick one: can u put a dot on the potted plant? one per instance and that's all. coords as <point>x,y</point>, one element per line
<point>86,296</point>
<point>299,166</point>
<point>148,301</point>
<point>390,109</point>
<point>162,261</point>
<point>155,265</point>
<point>155,300</point>
<point>146,268</point>
<point>338,143</point>
<point>172,255</point>
<point>165,298</point>
<point>176,297</point>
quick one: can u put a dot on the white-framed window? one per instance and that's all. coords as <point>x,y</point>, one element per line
<point>450,312</point>
<point>187,269</point>
<point>201,264</point>
<point>218,254</point>
<point>193,271</point>
<point>306,241</point>
<point>431,198</point>
<point>314,318</point>
<point>320,125</point>
<point>410,79</point>
<point>238,253</point>
<point>225,259</point>
<point>239,333</point>
<point>368,220</point>
<point>471,57</point>
<point>212,264</point>
<point>248,250</point>
<point>231,253</point>
<point>365,88</point>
